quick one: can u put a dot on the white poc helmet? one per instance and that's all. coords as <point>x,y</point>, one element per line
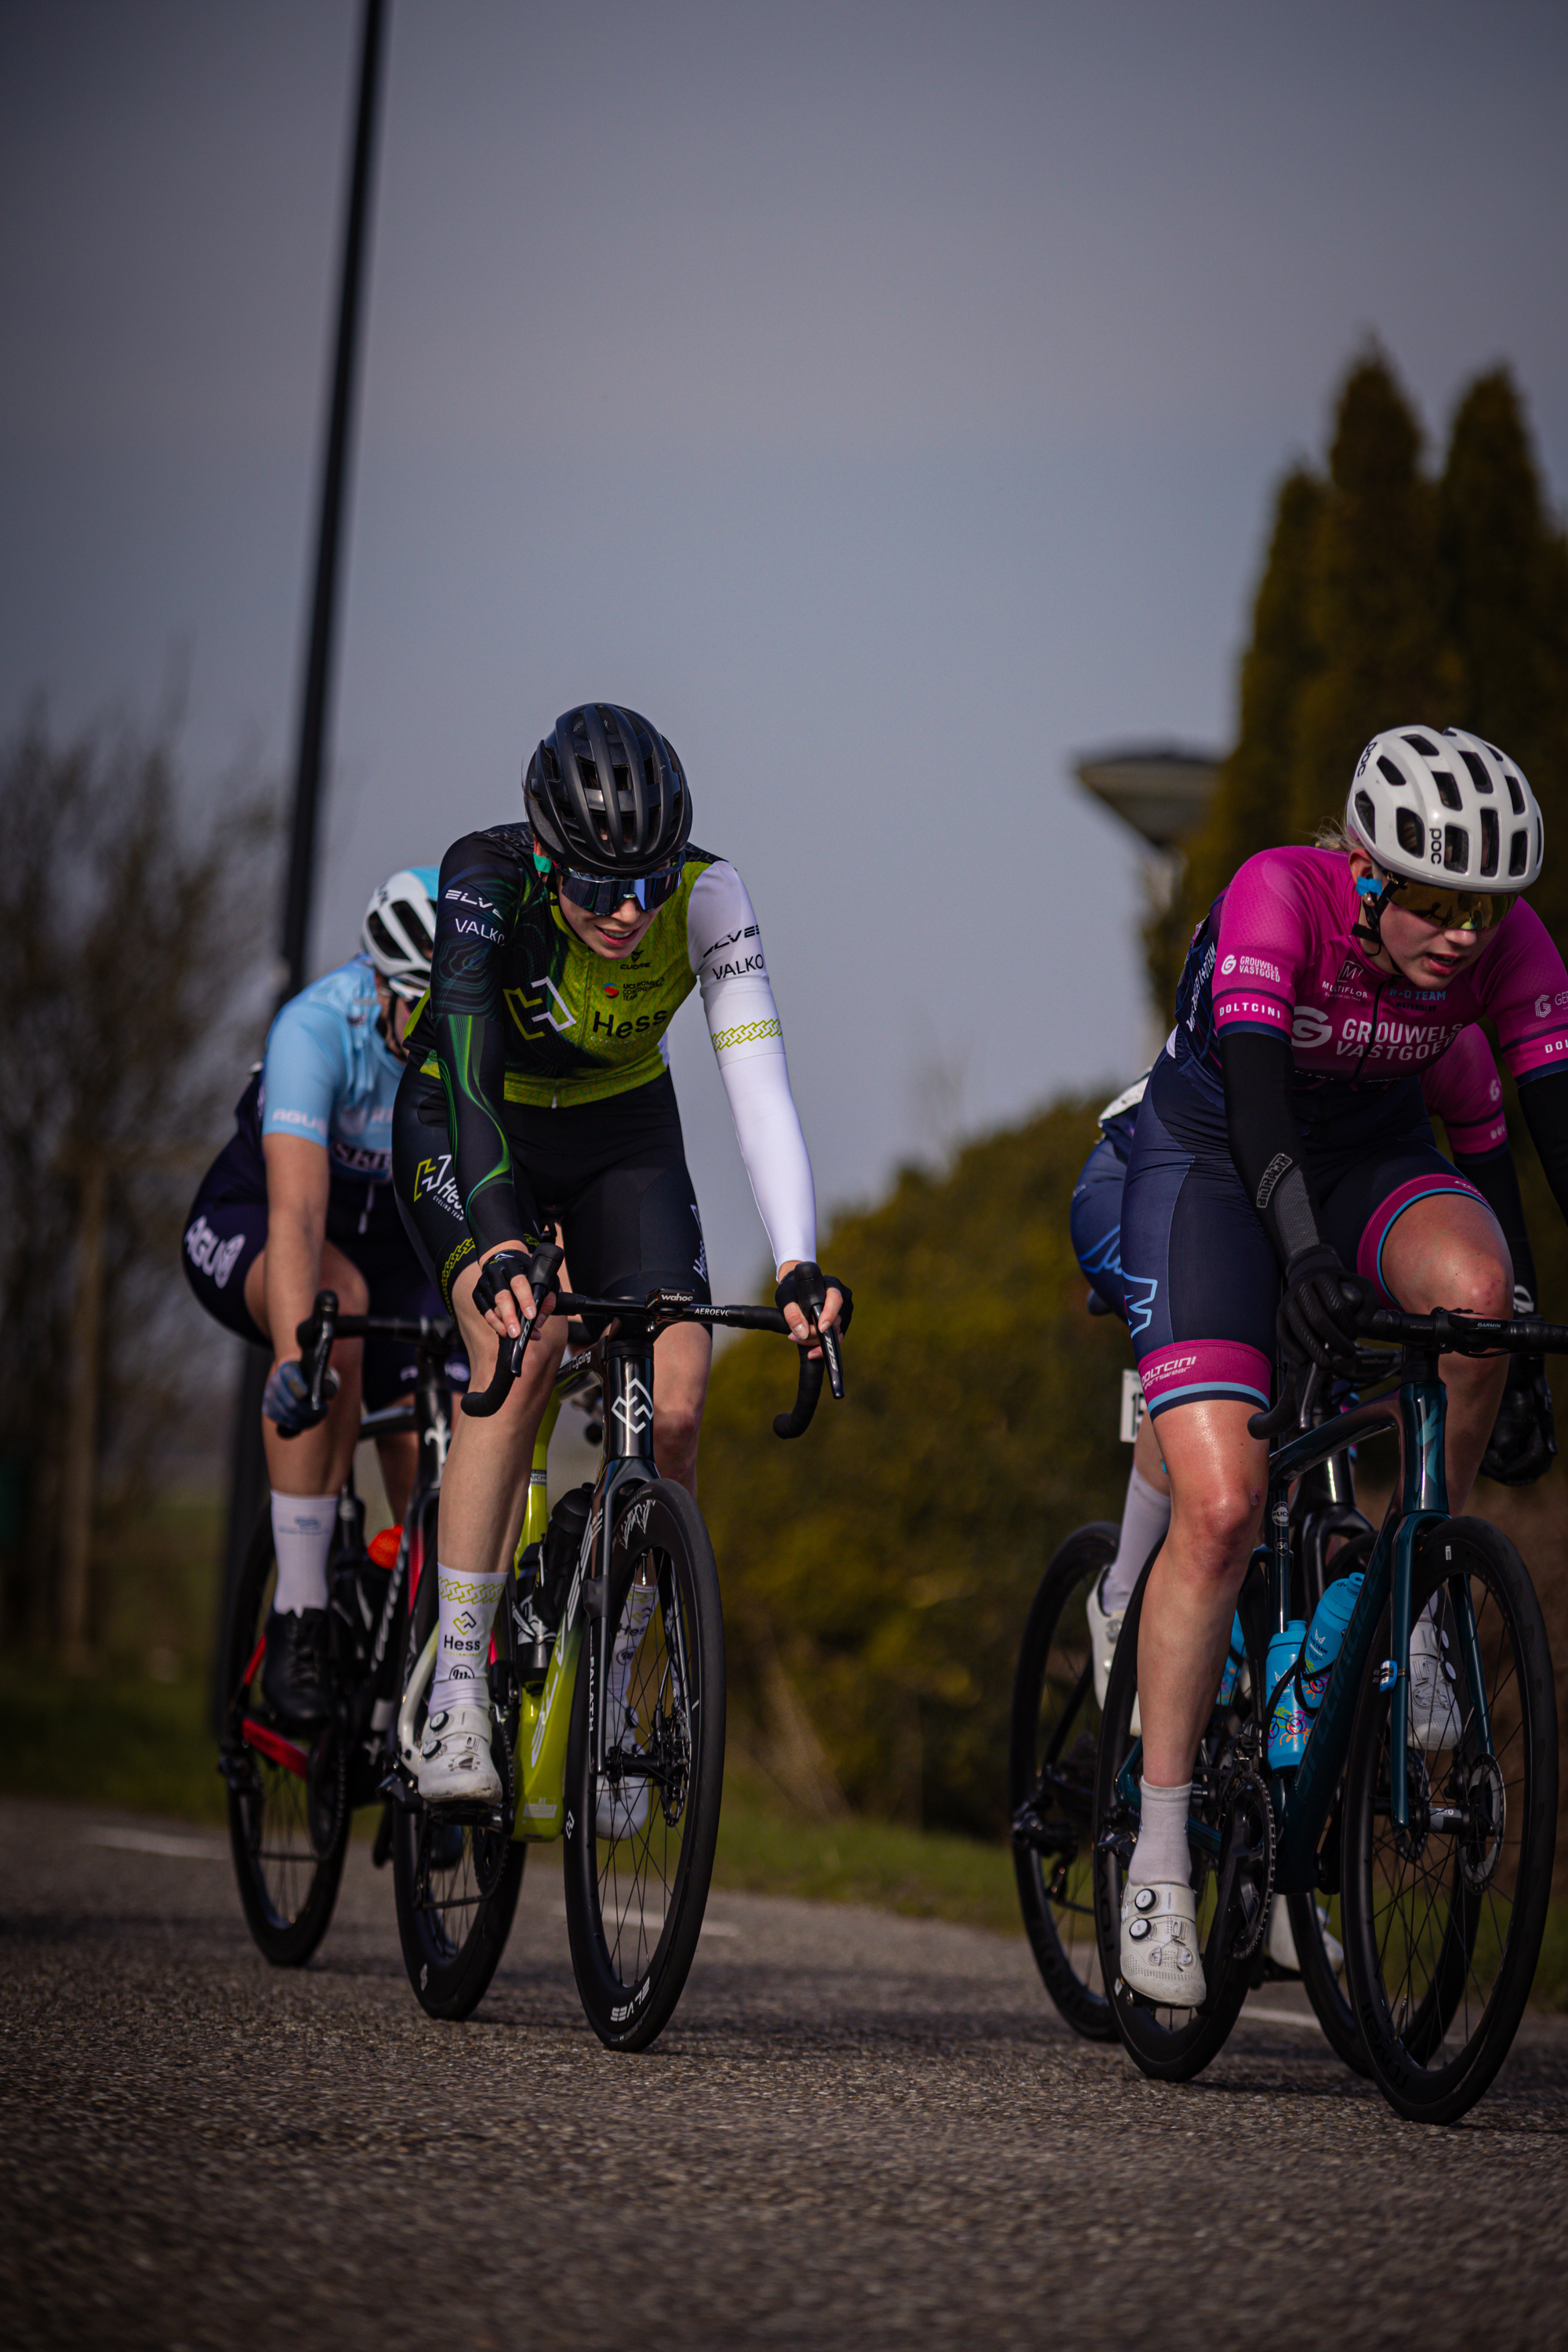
<point>1446,809</point>
<point>398,933</point>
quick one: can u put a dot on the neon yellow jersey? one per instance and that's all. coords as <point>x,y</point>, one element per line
<point>521,1011</point>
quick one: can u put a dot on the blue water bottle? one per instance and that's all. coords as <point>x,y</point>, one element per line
<point>1286,1718</point>
<point>1322,1645</point>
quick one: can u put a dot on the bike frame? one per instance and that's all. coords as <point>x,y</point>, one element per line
<point>626,1356</point>
<point>1304,1794</point>
<point>544,1715</point>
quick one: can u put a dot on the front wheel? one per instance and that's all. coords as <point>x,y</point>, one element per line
<point>287,1812</point>
<point>1317,1930</point>
<point>1052,1754</point>
<point>640,1835</point>
<point>456,1882</point>
<point>1444,1917</point>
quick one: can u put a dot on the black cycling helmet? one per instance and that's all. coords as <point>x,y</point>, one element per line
<point>606,795</point>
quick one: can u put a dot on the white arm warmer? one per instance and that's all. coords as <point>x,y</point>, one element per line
<point>726,952</point>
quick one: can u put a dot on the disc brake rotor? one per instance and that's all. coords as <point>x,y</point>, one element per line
<point>1480,1843</point>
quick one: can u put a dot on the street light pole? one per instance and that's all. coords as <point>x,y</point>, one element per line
<point>248,1475</point>
<point>330,530</point>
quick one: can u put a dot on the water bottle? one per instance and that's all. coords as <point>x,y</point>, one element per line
<point>1322,1647</point>
<point>1236,1659</point>
<point>1287,1718</point>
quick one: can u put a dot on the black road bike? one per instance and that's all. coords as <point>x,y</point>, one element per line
<point>292,1799</point>
<point>607,1702</point>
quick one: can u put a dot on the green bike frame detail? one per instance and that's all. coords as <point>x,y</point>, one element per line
<point>544,1714</point>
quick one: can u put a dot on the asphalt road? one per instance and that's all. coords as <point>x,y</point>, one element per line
<point>859,2130</point>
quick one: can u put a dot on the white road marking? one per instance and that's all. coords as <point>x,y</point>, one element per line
<point>653,1921</point>
<point>180,1849</point>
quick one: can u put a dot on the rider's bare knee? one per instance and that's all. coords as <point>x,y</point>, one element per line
<point>1223,1520</point>
<point>675,1437</point>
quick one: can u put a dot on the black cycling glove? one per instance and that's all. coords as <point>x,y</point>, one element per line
<point>1523,1442</point>
<point>806,1286</point>
<point>1317,1315</point>
<point>538,1267</point>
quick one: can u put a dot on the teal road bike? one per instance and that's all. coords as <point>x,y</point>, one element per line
<point>1436,1847</point>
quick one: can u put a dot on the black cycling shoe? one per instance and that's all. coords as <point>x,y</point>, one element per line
<point>294,1671</point>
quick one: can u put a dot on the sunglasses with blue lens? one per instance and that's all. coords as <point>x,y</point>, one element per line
<point>602,893</point>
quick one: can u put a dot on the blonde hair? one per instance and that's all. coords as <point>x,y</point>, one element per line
<point>1334,834</point>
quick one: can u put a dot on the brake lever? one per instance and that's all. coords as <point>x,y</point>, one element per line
<point>316,1335</point>
<point>543,1266</point>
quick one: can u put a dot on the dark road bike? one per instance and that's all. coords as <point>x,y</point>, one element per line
<point>1438,1845</point>
<point>627,1774</point>
<point>291,1797</point>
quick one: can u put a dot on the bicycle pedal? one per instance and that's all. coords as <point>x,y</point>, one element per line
<point>459,1814</point>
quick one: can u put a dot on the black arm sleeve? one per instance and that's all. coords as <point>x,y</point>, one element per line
<point>1544,1102</point>
<point>481,890</point>
<point>1496,1179</point>
<point>1266,1142</point>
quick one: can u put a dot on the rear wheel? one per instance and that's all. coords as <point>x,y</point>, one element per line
<point>287,1810</point>
<point>1232,1873</point>
<point>1052,1758</point>
<point>639,1842</point>
<point>1443,1917</point>
<point>456,1880</point>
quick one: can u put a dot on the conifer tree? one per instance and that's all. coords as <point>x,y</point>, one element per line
<point>1506,570</point>
<point>1375,601</point>
<point>1251,809</point>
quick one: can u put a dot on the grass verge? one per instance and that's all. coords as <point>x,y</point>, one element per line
<point>767,1849</point>
<point>140,1746</point>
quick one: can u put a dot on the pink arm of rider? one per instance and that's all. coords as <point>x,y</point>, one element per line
<point>1466,1093</point>
<point>1521,981</point>
<point>1265,931</point>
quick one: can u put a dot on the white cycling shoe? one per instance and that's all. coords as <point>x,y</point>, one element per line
<point>1159,1945</point>
<point>1104,1631</point>
<point>621,1811</point>
<point>1433,1700</point>
<point>456,1765</point>
<point>1283,1941</point>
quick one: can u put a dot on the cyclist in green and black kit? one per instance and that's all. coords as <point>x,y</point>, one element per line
<point>539,1099</point>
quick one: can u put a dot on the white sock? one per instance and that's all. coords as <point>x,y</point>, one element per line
<point>467,1610</point>
<point>1144,1519</point>
<point>1162,1856</point>
<point>301,1538</point>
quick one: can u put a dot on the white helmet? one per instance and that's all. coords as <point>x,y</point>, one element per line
<point>1445,809</point>
<point>399,930</point>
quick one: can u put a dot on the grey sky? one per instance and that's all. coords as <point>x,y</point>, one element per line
<point>885,399</point>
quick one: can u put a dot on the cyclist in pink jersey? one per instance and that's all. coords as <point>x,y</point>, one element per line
<point>1464,1091</point>
<point>1283,1171</point>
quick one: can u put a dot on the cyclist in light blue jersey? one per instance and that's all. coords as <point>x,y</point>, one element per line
<point>301,1199</point>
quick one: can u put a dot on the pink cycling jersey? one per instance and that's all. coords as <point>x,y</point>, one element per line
<point>1466,1092</point>
<point>1285,962</point>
